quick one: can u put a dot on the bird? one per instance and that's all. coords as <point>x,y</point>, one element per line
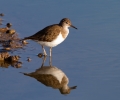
<point>52,35</point>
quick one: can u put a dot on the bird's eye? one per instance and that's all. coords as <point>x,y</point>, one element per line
<point>66,22</point>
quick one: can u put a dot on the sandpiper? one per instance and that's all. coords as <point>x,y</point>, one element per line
<point>52,35</point>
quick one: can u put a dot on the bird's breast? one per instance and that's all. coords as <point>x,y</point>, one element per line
<point>65,32</point>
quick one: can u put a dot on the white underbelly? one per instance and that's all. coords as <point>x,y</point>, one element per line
<point>53,43</point>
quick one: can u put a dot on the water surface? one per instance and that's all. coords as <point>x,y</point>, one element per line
<point>89,56</point>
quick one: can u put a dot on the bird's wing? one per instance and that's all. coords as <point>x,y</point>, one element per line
<point>47,34</point>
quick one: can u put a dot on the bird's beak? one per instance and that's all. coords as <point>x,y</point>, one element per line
<point>73,26</point>
<point>73,87</point>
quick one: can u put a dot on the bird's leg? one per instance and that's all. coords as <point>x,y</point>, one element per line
<point>50,61</point>
<point>50,51</point>
<point>44,52</point>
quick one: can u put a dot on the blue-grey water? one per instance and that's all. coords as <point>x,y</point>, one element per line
<point>90,56</point>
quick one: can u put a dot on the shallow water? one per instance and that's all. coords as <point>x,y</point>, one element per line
<point>89,56</point>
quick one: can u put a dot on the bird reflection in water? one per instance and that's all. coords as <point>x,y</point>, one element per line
<point>53,77</point>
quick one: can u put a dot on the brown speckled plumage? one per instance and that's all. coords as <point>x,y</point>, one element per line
<point>47,34</point>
